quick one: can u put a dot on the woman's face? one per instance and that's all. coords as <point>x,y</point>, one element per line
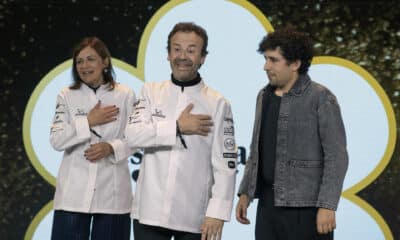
<point>90,66</point>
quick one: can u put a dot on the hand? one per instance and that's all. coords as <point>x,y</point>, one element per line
<point>194,124</point>
<point>211,229</point>
<point>325,220</point>
<point>100,115</point>
<point>241,209</point>
<point>98,151</point>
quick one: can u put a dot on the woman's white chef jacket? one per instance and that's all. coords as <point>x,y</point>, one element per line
<point>178,187</point>
<point>82,186</point>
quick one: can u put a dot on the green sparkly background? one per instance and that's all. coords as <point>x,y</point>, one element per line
<point>38,35</point>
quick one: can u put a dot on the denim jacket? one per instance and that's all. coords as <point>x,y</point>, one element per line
<point>311,155</point>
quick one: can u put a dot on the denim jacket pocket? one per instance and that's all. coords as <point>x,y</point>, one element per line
<point>305,179</point>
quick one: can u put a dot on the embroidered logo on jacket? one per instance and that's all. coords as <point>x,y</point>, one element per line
<point>229,144</point>
<point>229,131</point>
<point>80,112</point>
<point>228,120</point>
<point>158,113</point>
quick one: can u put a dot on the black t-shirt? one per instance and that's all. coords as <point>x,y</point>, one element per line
<point>267,141</point>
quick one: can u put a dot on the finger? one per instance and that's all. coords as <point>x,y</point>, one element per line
<point>238,213</point>
<point>319,228</point>
<point>98,156</point>
<point>201,133</point>
<point>110,119</point>
<point>207,123</point>
<point>329,228</point>
<point>115,111</point>
<point>188,108</point>
<point>203,235</point>
<point>110,108</point>
<point>244,218</point>
<point>88,151</point>
<point>111,114</point>
<point>209,235</point>
<point>91,157</point>
<point>244,212</point>
<point>202,116</point>
<point>241,215</point>
<point>205,129</point>
<point>325,229</point>
<point>92,151</point>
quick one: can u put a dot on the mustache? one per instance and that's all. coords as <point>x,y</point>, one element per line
<point>186,62</point>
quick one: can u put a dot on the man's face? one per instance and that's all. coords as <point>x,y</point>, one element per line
<point>89,66</point>
<point>280,72</point>
<point>185,55</point>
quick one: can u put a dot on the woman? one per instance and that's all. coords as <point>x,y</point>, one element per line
<point>93,183</point>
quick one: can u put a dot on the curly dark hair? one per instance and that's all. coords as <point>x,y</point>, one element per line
<point>189,27</point>
<point>294,45</point>
<point>101,49</point>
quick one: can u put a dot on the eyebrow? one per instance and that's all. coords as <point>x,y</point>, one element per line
<point>178,45</point>
<point>272,57</point>
<point>90,55</point>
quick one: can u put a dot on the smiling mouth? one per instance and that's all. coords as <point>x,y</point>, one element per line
<point>183,63</point>
<point>85,73</point>
<point>184,67</point>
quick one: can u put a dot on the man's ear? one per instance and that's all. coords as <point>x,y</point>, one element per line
<point>203,58</point>
<point>295,66</point>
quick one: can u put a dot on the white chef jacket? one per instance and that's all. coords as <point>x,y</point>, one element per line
<point>103,186</point>
<point>178,187</point>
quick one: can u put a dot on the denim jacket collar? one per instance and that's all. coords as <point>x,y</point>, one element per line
<point>300,85</point>
<point>297,89</point>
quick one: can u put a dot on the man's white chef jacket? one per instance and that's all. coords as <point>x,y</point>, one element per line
<point>103,186</point>
<point>178,187</point>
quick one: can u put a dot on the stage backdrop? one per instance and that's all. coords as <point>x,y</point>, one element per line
<point>235,69</point>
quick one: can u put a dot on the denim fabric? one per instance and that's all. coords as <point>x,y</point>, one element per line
<point>311,155</point>
<point>76,226</point>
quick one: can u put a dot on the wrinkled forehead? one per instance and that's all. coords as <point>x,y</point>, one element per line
<point>189,38</point>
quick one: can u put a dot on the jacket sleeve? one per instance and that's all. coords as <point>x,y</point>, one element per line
<point>142,132</point>
<point>223,161</point>
<point>333,141</point>
<point>120,145</point>
<point>67,131</point>
<point>248,184</point>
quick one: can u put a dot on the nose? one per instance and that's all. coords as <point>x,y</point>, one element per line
<point>84,63</point>
<point>266,66</point>
<point>183,54</point>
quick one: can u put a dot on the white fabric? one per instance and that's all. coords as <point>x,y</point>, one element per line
<point>82,186</point>
<point>178,187</point>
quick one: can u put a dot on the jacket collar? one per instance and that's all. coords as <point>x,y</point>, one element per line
<point>101,88</point>
<point>298,87</point>
<point>190,86</point>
